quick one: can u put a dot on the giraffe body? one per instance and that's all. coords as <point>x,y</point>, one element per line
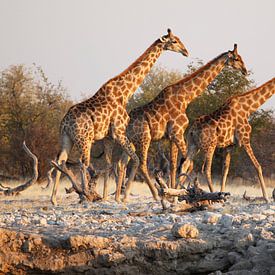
<point>105,113</point>
<point>225,127</point>
<point>165,116</point>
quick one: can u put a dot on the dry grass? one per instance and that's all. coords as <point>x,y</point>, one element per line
<point>236,188</point>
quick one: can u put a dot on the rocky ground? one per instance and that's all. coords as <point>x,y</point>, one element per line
<point>237,237</point>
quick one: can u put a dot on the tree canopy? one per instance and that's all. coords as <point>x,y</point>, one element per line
<point>31,110</point>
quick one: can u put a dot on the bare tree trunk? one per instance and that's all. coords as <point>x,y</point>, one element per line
<point>255,199</point>
<point>80,188</point>
<point>16,190</point>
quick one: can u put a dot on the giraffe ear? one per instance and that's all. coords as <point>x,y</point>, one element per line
<point>235,50</point>
<point>163,39</point>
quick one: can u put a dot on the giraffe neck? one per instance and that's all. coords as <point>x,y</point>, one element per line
<point>125,84</point>
<point>252,100</point>
<point>194,84</point>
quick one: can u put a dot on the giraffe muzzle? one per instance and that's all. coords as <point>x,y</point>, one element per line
<point>184,52</point>
<point>244,71</point>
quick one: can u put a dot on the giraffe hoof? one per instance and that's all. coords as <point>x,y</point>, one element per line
<point>156,198</point>
<point>54,202</point>
<point>125,200</point>
<point>118,200</point>
<point>105,199</point>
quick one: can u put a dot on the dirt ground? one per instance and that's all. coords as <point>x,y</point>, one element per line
<point>236,237</point>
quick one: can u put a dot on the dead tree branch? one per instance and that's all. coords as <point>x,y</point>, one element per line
<point>254,199</point>
<point>80,188</point>
<point>191,198</point>
<point>7,191</point>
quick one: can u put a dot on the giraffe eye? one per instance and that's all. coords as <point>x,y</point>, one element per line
<point>174,42</point>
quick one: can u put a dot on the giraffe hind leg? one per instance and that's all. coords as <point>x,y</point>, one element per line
<point>66,144</point>
<point>225,168</point>
<point>108,149</point>
<point>209,159</point>
<point>258,167</point>
<point>128,148</point>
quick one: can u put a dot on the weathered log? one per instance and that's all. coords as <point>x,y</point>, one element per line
<point>7,191</point>
<point>82,189</point>
<point>253,199</point>
<point>191,198</point>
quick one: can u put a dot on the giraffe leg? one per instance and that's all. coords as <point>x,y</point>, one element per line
<point>121,175</point>
<point>108,149</point>
<point>124,162</point>
<point>208,159</point>
<point>258,167</point>
<point>178,139</point>
<point>143,164</point>
<point>173,163</point>
<point>187,165</point>
<point>63,156</point>
<point>126,145</point>
<point>225,168</point>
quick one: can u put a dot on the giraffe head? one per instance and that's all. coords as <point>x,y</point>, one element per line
<point>236,61</point>
<point>172,43</point>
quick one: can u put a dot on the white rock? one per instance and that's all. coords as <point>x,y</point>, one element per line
<point>211,218</point>
<point>258,217</point>
<point>269,212</point>
<point>185,231</point>
<point>226,220</point>
<point>43,221</point>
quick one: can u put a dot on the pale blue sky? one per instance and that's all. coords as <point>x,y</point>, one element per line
<point>84,43</point>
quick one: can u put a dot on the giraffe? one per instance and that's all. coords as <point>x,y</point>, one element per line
<point>105,112</point>
<point>223,128</point>
<point>165,116</point>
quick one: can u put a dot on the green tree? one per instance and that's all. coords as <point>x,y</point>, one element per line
<point>157,79</point>
<point>32,108</point>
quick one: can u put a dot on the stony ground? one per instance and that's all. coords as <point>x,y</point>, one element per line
<point>138,238</point>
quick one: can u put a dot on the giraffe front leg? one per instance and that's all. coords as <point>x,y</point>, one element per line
<point>144,146</point>
<point>84,145</point>
<point>225,168</point>
<point>121,176</point>
<point>258,167</point>
<point>173,163</point>
<point>178,139</point>
<point>108,149</point>
<point>119,130</point>
<point>126,145</point>
<point>66,144</point>
<point>208,159</point>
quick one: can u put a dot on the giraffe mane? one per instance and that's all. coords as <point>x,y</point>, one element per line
<point>253,90</point>
<point>138,60</point>
<point>202,68</point>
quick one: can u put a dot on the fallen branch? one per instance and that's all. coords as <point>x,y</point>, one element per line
<point>191,198</point>
<point>254,199</point>
<point>49,179</point>
<point>80,188</point>
<point>7,191</point>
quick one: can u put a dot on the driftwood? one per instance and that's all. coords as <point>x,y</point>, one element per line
<point>190,199</point>
<point>255,199</point>
<point>85,189</point>
<point>7,191</point>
